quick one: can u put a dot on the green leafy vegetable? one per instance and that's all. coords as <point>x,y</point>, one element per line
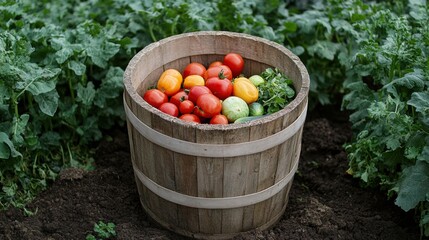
<point>276,92</point>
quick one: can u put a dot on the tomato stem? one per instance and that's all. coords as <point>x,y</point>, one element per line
<point>221,74</point>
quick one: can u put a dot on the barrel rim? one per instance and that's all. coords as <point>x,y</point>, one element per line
<point>301,96</point>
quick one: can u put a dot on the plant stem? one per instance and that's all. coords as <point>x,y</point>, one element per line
<point>71,88</point>
<point>152,35</point>
<point>15,104</point>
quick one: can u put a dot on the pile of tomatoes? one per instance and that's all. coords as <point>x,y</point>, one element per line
<point>199,94</point>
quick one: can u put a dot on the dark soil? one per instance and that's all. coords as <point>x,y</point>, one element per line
<point>325,202</point>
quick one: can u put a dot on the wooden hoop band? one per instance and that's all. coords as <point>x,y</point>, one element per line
<point>215,150</point>
<point>216,203</point>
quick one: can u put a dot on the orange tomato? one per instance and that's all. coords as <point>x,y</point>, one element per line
<point>170,82</point>
<point>215,64</point>
<point>193,80</point>
<point>244,89</point>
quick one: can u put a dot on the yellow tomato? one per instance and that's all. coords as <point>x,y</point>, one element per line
<point>193,80</point>
<point>170,82</point>
<point>244,89</point>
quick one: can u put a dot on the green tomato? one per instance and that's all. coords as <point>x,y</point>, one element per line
<point>234,108</point>
<point>256,80</point>
<point>256,109</point>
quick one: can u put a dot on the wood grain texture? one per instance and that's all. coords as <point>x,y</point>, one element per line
<point>186,180</point>
<point>210,183</point>
<point>236,170</point>
<point>213,177</point>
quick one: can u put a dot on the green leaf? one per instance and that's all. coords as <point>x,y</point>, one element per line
<point>290,26</point>
<point>10,190</point>
<point>7,148</point>
<point>51,138</point>
<point>20,124</point>
<point>63,55</point>
<point>101,50</point>
<point>4,149</point>
<point>413,186</point>
<point>37,80</point>
<point>324,49</point>
<point>357,17</point>
<point>89,130</point>
<point>86,94</point>
<point>90,237</point>
<point>420,100</point>
<point>104,230</point>
<point>424,156</point>
<point>298,50</point>
<point>111,87</point>
<point>48,102</point>
<point>414,80</point>
<point>77,67</point>
<point>98,56</point>
<point>341,25</point>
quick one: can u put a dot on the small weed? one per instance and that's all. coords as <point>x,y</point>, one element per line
<point>102,231</point>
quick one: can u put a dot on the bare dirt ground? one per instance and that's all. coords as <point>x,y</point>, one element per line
<point>324,203</point>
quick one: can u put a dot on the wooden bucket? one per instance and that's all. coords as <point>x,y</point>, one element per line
<point>213,181</point>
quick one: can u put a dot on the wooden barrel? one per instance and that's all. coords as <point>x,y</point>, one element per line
<point>213,181</point>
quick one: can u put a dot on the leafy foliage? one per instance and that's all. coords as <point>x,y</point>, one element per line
<point>57,83</point>
<point>387,91</point>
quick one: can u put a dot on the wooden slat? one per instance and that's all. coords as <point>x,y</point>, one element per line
<point>164,170</point>
<point>143,150</point>
<point>210,183</point>
<point>285,162</point>
<point>200,59</point>
<point>179,64</point>
<point>266,177</point>
<point>152,78</point>
<point>214,57</point>
<point>236,170</point>
<point>186,180</point>
<point>253,162</point>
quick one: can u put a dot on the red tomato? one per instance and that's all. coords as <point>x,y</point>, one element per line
<point>208,105</point>
<point>186,106</point>
<point>196,91</point>
<point>221,88</point>
<point>169,108</point>
<point>235,62</point>
<point>219,119</point>
<point>190,118</point>
<point>155,97</point>
<point>194,68</point>
<point>215,72</point>
<point>179,97</point>
<point>215,64</point>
